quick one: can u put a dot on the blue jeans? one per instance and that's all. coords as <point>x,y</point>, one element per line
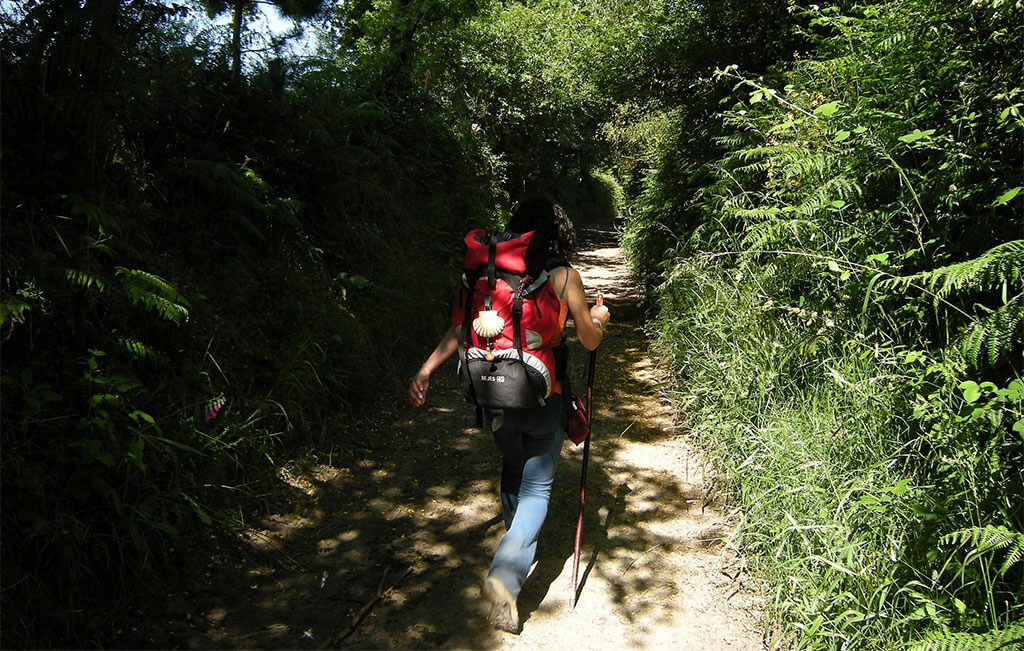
<point>530,441</point>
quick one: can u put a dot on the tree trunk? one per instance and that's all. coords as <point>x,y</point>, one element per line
<point>236,39</point>
<point>405,21</point>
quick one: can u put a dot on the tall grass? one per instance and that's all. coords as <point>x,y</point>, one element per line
<point>843,487</point>
<point>839,290</point>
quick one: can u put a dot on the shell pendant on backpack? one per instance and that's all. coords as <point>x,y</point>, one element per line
<point>488,324</point>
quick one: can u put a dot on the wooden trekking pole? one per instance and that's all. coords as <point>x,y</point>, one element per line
<point>591,363</point>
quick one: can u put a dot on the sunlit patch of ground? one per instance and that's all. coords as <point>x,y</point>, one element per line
<point>386,546</point>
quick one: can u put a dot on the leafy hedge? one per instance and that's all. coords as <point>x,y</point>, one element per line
<point>841,293</point>
<point>201,276</point>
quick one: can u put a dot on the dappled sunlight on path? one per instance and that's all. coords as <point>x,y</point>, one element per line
<point>384,544</point>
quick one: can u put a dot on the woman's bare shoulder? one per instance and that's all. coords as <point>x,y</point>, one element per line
<point>559,273</point>
<point>564,280</point>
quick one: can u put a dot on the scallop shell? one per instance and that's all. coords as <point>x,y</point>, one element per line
<point>488,323</point>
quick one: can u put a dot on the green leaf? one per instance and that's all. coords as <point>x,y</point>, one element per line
<point>198,509</point>
<point>1007,196</point>
<point>137,414</point>
<point>841,136</point>
<point>175,444</point>
<point>837,203</point>
<point>100,398</point>
<point>135,452</point>
<point>93,450</point>
<point>827,110</point>
<point>916,135</point>
<point>971,391</point>
<point>912,356</point>
<point>899,488</point>
<point>1015,390</point>
<point>840,380</point>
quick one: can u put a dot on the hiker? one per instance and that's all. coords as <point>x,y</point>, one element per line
<point>530,439</point>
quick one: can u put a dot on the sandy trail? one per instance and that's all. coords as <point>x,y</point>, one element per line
<point>384,544</point>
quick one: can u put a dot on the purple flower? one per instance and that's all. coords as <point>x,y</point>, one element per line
<point>211,412</point>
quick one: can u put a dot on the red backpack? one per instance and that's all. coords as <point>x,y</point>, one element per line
<point>507,316</point>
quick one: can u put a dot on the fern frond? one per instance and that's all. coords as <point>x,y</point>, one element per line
<point>1014,556</point>
<point>1007,639</point>
<point>1000,264</point>
<point>235,191</point>
<point>780,151</point>
<point>13,309</point>
<point>78,206</point>
<point>732,141</point>
<point>834,67</point>
<point>806,166</point>
<point>154,292</point>
<point>995,334</point>
<point>752,214</point>
<point>753,168</point>
<point>983,539</point>
<point>776,231</point>
<point>893,41</point>
<point>84,279</point>
<point>992,336</point>
<point>144,278</point>
<point>990,538</point>
<point>139,350</point>
<point>824,194</point>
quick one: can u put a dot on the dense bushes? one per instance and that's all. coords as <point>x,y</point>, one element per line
<point>201,276</point>
<point>204,270</point>
<point>842,297</point>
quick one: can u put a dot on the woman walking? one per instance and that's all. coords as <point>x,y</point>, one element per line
<point>530,439</point>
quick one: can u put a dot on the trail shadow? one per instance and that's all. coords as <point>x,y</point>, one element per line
<point>391,535</point>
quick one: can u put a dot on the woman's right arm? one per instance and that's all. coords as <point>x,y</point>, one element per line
<point>590,321</point>
<point>421,382</point>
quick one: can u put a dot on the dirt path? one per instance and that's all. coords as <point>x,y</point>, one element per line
<point>385,545</point>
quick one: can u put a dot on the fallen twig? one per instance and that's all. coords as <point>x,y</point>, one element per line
<point>380,594</point>
<point>639,557</point>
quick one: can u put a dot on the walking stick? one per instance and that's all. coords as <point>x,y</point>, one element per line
<point>591,362</point>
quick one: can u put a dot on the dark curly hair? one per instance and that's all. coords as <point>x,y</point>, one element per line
<point>543,215</point>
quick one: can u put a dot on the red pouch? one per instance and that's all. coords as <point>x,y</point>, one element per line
<point>578,427</point>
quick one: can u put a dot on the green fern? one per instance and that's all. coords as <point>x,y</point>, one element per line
<point>1000,264</point>
<point>237,192</point>
<point>139,350</point>
<point>990,337</point>
<point>1007,639</point>
<point>155,293</point>
<point>803,165</point>
<point>990,538</point>
<point>85,279</point>
<point>13,310</point>
<point>776,231</point>
<point>826,194</point>
<point>995,333</point>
